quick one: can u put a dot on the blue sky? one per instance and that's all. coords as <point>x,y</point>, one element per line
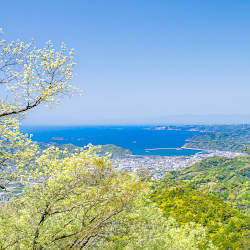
<point>143,61</point>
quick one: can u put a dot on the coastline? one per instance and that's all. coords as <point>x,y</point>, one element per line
<point>152,149</point>
<point>202,149</point>
<point>180,148</point>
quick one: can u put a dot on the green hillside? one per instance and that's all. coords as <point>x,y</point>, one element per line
<point>213,193</point>
<point>226,227</point>
<point>225,138</point>
<point>227,178</point>
<point>115,151</point>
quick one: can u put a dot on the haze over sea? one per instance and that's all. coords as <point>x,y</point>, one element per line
<point>135,138</point>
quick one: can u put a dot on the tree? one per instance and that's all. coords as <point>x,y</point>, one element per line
<point>16,152</point>
<point>75,204</point>
<point>33,76</point>
<point>145,227</point>
<point>29,77</point>
<point>70,199</point>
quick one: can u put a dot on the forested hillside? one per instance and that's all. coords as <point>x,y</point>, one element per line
<point>113,150</point>
<point>213,193</point>
<point>226,227</point>
<point>227,178</point>
<point>225,138</point>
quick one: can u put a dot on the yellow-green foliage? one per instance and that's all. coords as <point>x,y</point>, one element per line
<point>226,227</point>
<point>76,202</point>
<point>29,77</point>
<point>145,227</point>
<point>80,201</point>
<point>227,178</point>
<point>16,152</point>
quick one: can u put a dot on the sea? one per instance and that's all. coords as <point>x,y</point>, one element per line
<point>140,140</point>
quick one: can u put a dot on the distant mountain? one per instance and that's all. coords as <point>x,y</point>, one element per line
<point>210,119</point>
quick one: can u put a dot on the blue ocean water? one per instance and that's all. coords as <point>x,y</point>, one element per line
<point>136,139</point>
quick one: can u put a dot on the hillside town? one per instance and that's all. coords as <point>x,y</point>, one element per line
<point>158,166</point>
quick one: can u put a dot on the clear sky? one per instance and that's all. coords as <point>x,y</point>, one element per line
<point>143,61</point>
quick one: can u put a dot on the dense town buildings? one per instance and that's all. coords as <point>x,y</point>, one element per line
<point>157,166</point>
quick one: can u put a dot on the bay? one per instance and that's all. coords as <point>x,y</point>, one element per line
<point>140,140</point>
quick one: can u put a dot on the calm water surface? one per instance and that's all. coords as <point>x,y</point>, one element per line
<point>136,139</point>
